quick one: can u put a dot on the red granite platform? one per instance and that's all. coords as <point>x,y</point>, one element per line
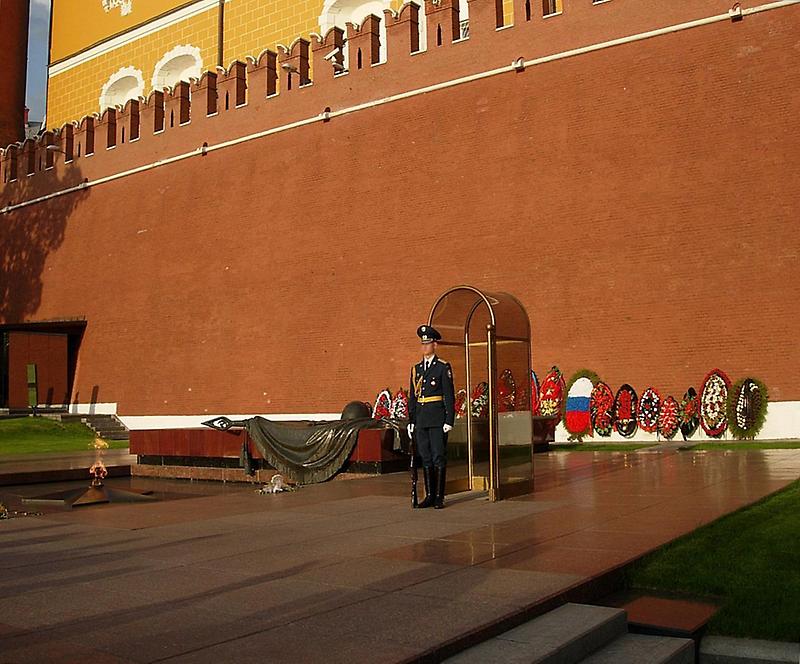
<point>202,454</point>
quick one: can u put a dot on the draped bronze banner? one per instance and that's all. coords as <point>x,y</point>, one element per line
<point>312,452</point>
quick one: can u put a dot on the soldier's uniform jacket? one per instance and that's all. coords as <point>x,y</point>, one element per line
<point>431,397</point>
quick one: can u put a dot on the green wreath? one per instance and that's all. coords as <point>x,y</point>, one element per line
<point>746,425</point>
<point>577,436</point>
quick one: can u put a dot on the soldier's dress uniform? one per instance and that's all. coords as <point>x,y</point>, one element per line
<point>431,406</point>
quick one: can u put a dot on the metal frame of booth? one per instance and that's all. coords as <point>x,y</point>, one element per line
<point>472,319</point>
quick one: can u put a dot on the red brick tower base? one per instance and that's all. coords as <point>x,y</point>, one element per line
<point>14,16</point>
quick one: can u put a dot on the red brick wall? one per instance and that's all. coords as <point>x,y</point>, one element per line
<point>13,60</point>
<point>49,353</point>
<point>641,201</point>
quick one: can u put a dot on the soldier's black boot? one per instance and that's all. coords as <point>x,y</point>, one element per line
<point>430,489</point>
<point>441,478</point>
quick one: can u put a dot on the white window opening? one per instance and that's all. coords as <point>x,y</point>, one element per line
<point>179,64</point>
<point>463,19</point>
<point>126,84</point>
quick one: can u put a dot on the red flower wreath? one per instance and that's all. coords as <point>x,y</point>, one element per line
<point>507,392</point>
<point>461,403</point>
<point>383,405</point>
<point>625,410</point>
<point>601,404</point>
<point>668,418</point>
<point>649,405</point>
<point>551,394</point>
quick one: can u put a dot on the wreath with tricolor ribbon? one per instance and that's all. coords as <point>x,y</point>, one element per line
<point>581,425</point>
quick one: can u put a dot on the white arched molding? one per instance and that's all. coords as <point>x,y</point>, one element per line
<point>178,64</point>
<point>125,84</point>
<point>339,12</point>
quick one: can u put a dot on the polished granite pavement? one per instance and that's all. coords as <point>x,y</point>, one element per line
<point>343,571</point>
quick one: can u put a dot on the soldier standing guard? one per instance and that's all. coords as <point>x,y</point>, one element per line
<point>431,412</point>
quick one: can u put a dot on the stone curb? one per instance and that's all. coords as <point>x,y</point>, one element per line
<point>730,650</point>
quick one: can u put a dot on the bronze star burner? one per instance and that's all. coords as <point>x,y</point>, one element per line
<point>96,493</point>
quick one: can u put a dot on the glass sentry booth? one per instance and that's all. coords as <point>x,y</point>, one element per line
<point>486,339</point>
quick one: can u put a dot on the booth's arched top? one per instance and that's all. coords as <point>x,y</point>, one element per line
<point>455,309</point>
<point>480,295</point>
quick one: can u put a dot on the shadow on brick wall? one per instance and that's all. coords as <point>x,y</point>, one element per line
<point>27,237</point>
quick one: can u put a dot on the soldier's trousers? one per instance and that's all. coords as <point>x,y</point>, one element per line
<point>432,446</point>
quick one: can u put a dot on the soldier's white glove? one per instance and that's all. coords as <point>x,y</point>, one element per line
<point>447,428</point>
<point>410,429</point>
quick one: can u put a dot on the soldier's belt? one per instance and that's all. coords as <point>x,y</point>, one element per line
<point>430,399</point>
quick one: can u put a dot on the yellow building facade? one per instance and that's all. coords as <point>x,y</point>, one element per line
<point>104,52</point>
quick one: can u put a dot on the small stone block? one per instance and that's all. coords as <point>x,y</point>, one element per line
<point>674,616</point>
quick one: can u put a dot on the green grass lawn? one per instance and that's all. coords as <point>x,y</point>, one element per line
<point>38,435</point>
<point>747,562</point>
<point>747,445</point>
<point>598,447</point>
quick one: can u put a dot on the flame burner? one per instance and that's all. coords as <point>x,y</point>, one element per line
<point>96,493</point>
<point>98,472</point>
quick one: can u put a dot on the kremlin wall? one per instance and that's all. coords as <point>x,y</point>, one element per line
<point>267,238</point>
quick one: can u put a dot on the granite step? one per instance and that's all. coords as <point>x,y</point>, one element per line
<point>107,426</point>
<point>117,435</point>
<point>643,648</point>
<point>109,429</point>
<point>562,636</point>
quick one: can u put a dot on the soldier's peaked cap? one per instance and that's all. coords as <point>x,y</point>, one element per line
<point>426,333</point>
